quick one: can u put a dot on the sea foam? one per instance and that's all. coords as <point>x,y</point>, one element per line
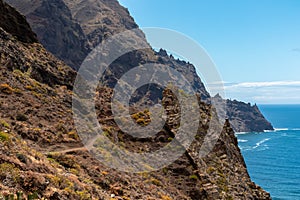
<point>261,142</point>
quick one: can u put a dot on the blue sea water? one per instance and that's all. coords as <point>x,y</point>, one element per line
<point>273,158</point>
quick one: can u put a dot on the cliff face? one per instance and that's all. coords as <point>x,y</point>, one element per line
<point>16,24</point>
<point>244,117</point>
<point>70,29</point>
<point>53,23</point>
<point>100,19</point>
<point>41,153</point>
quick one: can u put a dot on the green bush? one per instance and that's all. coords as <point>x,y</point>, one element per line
<point>4,124</point>
<point>4,136</point>
<point>194,177</point>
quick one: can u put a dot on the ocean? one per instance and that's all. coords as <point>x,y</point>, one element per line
<point>273,157</point>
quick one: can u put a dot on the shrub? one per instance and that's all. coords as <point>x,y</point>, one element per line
<point>19,195</point>
<point>141,121</point>
<point>4,124</point>
<point>32,196</point>
<point>142,118</point>
<point>12,196</point>
<point>29,87</point>
<point>4,136</point>
<point>6,89</point>
<point>155,182</point>
<point>210,170</point>
<point>21,117</point>
<point>18,91</point>
<point>193,177</point>
<point>73,135</point>
<point>9,169</point>
<point>83,194</point>
<point>165,197</point>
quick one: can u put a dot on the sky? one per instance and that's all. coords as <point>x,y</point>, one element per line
<point>255,44</point>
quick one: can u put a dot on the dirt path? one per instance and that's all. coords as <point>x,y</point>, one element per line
<point>59,149</point>
<point>64,148</point>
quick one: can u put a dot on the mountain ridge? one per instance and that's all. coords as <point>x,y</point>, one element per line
<point>97,20</point>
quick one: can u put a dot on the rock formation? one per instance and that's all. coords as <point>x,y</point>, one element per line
<point>244,117</point>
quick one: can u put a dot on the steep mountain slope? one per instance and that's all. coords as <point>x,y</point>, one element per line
<point>53,23</point>
<point>100,19</point>
<point>70,29</point>
<point>41,154</point>
<point>16,24</point>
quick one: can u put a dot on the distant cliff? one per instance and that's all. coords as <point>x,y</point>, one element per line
<point>244,117</point>
<point>41,154</point>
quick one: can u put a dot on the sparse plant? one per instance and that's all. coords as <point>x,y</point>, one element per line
<point>193,177</point>
<point>73,135</point>
<point>8,170</point>
<point>155,182</point>
<point>11,196</point>
<point>6,89</point>
<point>19,195</point>
<point>165,197</point>
<point>4,137</point>
<point>4,124</point>
<point>32,196</point>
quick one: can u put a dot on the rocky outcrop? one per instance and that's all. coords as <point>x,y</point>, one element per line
<point>244,117</point>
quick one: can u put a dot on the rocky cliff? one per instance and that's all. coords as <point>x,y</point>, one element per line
<point>16,24</point>
<point>41,154</point>
<point>53,23</point>
<point>244,117</point>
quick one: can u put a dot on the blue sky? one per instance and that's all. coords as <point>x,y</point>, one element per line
<point>255,44</point>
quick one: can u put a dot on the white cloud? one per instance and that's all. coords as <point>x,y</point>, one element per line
<point>263,84</point>
<point>265,92</point>
<point>218,83</point>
